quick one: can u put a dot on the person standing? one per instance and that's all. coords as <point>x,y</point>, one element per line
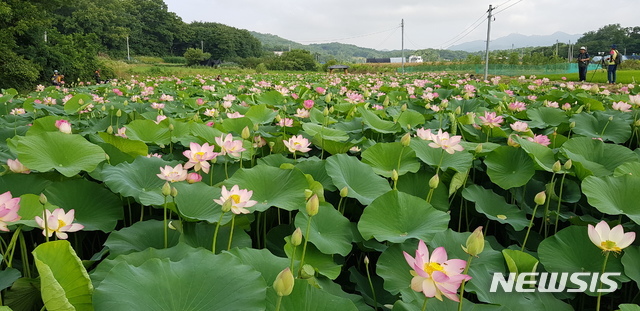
<point>612,64</point>
<point>583,63</point>
<point>56,79</point>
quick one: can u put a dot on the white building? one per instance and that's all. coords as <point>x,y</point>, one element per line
<point>415,59</point>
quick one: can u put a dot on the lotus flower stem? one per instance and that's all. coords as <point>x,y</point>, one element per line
<point>233,222</point>
<point>12,246</point>
<point>304,248</point>
<point>25,257</point>
<point>559,203</point>
<point>546,208</point>
<point>279,303</point>
<point>526,237</point>
<point>165,225</point>
<point>466,269</point>
<point>604,267</point>
<point>373,291</point>
<point>424,305</point>
<point>215,234</point>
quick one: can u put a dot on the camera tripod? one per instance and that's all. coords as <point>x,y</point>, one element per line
<point>601,65</point>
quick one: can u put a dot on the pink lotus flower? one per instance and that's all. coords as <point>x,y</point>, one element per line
<point>519,126</point>
<point>436,276</point>
<point>199,101</point>
<point>320,90</point>
<point>210,112</point>
<point>566,106</point>
<point>64,126</point>
<point>229,146</point>
<point>297,143</point>
<point>448,144</point>
<point>173,174</point>
<point>240,199</point>
<point>159,118</point>
<point>302,113</point>
<point>122,132</point>
<point>610,239</point>
<point>17,111</point>
<point>308,104</point>
<point>517,106</point>
<point>286,122</point>
<point>58,222</point>
<point>157,106</point>
<point>540,139</point>
<point>424,134</point>
<point>199,156</point>
<point>634,99</point>
<point>234,115</point>
<point>259,142</point>
<point>9,208</point>
<point>17,167</point>
<point>490,119</point>
<point>193,178</point>
<point>621,106</point>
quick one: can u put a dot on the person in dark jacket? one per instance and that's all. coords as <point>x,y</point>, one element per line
<point>583,63</point>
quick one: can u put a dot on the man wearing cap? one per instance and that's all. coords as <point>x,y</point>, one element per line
<point>56,79</point>
<point>612,66</point>
<point>583,63</point>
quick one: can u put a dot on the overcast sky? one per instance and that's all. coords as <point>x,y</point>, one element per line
<point>428,23</point>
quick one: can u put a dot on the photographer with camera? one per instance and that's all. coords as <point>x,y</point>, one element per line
<point>614,60</point>
<point>583,63</point>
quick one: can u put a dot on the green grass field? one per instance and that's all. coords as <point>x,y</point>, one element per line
<point>599,76</point>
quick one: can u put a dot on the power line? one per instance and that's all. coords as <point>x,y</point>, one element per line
<point>387,38</point>
<point>464,33</point>
<point>496,13</point>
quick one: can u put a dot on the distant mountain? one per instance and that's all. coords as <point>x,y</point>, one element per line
<point>324,51</point>
<point>515,40</point>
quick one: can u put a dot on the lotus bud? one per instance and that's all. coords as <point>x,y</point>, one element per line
<point>540,198</point>
<point>110,130</point>
<point>112,107</point>
<point>434,181</point>
<point>366,260</point>
<point>568,164</point>
<point>278,118</point>
<point>386,101</point>
<point>406,139</point>
<point>475,243</point>
<point>174,192</point>
<point>403,107</point>
<point>103,108</point>
<point>394,175</point>
<point>478,148</point>
<point>43,199</point>
<point>284,283</point>
<point>226,206</point>
<point>193,178</point>
<point>344,192</point>
<point>312,205</point>
<point>119,113</point>
<point>245,133</point>
<point>325,112</point>
<point>307,193</point>
<point>307,272</point>
<point>458,110</point>
<point>572,124</point>
<point>611,118</point>
<point>166,189</point>
<point>331,109</point>
<point>256,127</point>
<point>296,237</point>
<point>171,127</point>
<point>327,98</point>
<point>556,167</point>
<point>444,105</point>
<point>512,143</point>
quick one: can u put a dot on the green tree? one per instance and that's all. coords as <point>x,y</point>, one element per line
<point>195,56</point>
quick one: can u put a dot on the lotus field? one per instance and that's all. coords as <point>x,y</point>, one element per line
<point>321,192</point>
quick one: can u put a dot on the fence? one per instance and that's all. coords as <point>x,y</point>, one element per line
<point>500,69</point>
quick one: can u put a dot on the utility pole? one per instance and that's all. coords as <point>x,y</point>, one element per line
<point>128,55</point>
<point>402,26</point>
<point>570,50</point>
<point>45,36</point>
<point>202,45</point>
<point>486,56</point>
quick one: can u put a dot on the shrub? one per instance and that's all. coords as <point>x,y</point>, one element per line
<point>195,56</point>
<point>174,60</point>
<point>261,68</point>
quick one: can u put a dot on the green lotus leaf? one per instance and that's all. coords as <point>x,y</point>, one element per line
<point>95,207</point>
<point>363,184</point>
<point>287,193</point>
<point>309,298</point>
<point>571,250</point>
<point>375,123</point>
<point>20,184</point>
<point>330,231</point>
<point>324,264</point>
<point>509,167</point>
<point>630,261</point>
<point>133,148</point>
<point>411,118</point>
<point>263,261</point>
<point>614,195</point>
<point>236,125</point>
<point>325,132</point>
<point>593,157</point>
<point>603,126</point>
<point>138,237</point>
<point>386,157</point>
<point>138,179</point>
<point>65,282</point>
<point>149,131</point>
<point>544,117</point>
<point>8,276</point>
<point>397,216</point>
<point>519,261</point>
<point>260,114</point>
<point>76,103</point>
<point>317,168</point>
<point>542,155</point>
<point>195,202</point>
<point>459,161</point>
<point>495,208</point>
<point>162,284</point>
<point>68,154</point>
